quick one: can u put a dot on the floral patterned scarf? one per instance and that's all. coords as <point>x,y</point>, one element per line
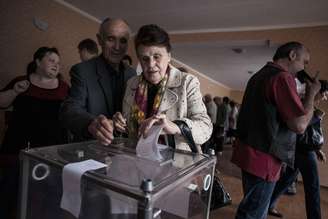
<point>139,108</point>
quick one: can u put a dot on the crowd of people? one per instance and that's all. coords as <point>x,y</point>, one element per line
<point>95,103</point>
<point>223,113</point>
<point>107,97</point>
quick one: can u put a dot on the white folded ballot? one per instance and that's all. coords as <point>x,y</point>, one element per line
<point>72,174</point>
<point>148,147</point>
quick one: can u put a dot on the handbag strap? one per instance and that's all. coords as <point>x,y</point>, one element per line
<point>186,133</point>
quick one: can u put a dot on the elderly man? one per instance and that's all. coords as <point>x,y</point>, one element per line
<point>98,85</point>
<point>270,116</point>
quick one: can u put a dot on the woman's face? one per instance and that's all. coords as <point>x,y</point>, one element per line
<point>154,61</point>
<point>49,65</point>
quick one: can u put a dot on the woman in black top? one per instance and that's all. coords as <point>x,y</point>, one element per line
<point>35,99</point>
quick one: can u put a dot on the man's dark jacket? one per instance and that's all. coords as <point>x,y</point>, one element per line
<point>91,94</point>
<point>259,124</point>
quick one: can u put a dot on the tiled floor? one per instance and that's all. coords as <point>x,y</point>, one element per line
<point>292,207</point>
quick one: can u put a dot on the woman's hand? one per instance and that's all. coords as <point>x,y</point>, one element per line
<point>101,129</point>
<point>21,86</point>
<point>160,119</point>
<point>119,122</point>
<point>8,96</point>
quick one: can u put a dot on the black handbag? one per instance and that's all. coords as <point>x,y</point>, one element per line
<point>312,138</point>
<point>220,197</point>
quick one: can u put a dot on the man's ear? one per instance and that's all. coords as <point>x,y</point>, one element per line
<point>292,55</point>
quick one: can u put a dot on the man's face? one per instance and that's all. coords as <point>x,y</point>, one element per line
<point>299,60</point>
<point>85,55</point>
<point>207,98</point>
<point>114,41</point>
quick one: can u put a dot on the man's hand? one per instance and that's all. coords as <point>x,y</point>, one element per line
<point>101,129</point>
<point>312,88</point>
<point>119,122</point>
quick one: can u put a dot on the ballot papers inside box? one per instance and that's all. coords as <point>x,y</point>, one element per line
<point>89,180</point>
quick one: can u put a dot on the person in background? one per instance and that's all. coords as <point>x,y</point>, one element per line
<point>88,49</point>
<point>270,116</point>
<point>305,163</point>
<point>226,104</point>
<point>210,107</point>
<point>35,99</point>
<point>98,85</point>
<point>211,112</point>
<point>162,95</point>
<point>232,121</point>
<point>218,101</point>
<point>222,123</point>
<point>127,60</point>
<point>218,133</point>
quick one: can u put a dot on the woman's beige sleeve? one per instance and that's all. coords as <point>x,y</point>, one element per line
<point>197,119</point>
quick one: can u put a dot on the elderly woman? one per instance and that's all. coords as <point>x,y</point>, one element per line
<point>162,95</point>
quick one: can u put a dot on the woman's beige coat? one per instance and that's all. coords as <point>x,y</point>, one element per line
<point>182,100</point>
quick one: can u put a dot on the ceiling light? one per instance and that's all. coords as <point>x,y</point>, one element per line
<point>239,50</point>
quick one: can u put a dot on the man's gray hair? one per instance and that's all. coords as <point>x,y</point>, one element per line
<point>110,20</point>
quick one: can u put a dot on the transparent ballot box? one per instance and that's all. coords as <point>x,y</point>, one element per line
<point>127,186</point>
